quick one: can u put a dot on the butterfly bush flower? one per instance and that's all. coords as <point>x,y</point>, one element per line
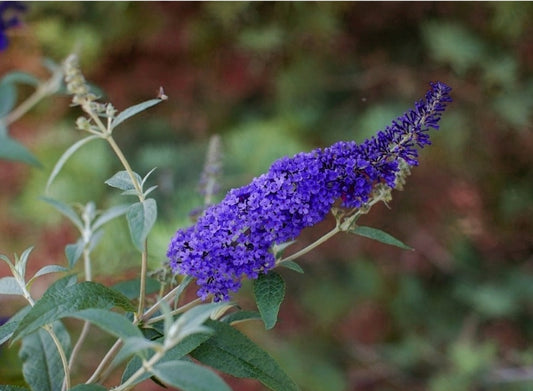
<point>234,238</point>
<point>9,11</point>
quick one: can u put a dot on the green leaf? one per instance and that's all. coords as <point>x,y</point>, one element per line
<point>380,236</point>
<point>73,252</point>
<point>8,97</point>
<point>20,77</point>
<point>11,149</point>
<point>188,376</point>
<point>269,291</point>
<point>58,303</point>
<point>292,266</point>
<point>184,347</point>
<point>88,387</point>
<point>111,322</point>
<point>122,180</point>
<point>141,217</point>
<point>20,264</point>
<point>232,352</point>
<point>66,211</point>
<point>10,286</point>
<point>240,316</point>
<point>12,388</point>
<point>7,329</point>
<point>66,155</point>
<point>109,214</point>
<point>191,321</point>
<point>131,288</point>
<point>131,111</point>
<point>135,345</point>
<point>42,367</point>
<point>46,270</point>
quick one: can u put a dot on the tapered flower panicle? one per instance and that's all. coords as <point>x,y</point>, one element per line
<point>234,238</point>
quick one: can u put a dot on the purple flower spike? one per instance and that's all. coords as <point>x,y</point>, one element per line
<point>234,238</point>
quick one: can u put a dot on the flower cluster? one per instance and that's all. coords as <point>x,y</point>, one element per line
<point>234,238</point>
<point>9,11</point>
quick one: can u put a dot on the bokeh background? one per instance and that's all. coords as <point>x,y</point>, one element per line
<point>273,79</point>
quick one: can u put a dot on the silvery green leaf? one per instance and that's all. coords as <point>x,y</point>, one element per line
<point>73,252</point>
<point>147,175</point>
<point>46,270</point>
<point>67,154</point>
<point>11,149</point>
<point>20,264</point>
<point>131,111</point>
<point>191,322</point>
<point>188,376</point>
<point>141,217</point>
<point>10,286</point>
<point>150,190</point>
<point>20,77</point>
<point>8,97</point>
<point>122,180</point>
<point>380,236</point>
<point>42,367</point>
<point>109,214</point>
<point>66,211</point>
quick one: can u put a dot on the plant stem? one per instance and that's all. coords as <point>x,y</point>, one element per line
<point>110,355</point>
<point>48,328</point>
<point>66,382</point>
<point>126,165</point>
<point>145,367</point>
<point>142,287</point>
<point>313,245</point>
<point>179,310</point>
<point>43,90</point>
<point>86,324</point>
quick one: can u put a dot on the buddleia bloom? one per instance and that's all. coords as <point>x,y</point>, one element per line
<point>234,238</point>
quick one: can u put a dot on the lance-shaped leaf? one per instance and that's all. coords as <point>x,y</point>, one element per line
<point>188,376</point>
<point>20,264</point>
<point>66,211</point>
<point>141,217</point>
<point>21,78</point>
<point>13,388</point>
<point>73,252</point>
<point>10,286</point>
<point>8,97</point>
<point>10,149</point>
<point>41,363</point>
<point>62,302</point>
<point>131,111</point>
<point>292,266</point>
<point>111,322</point>
<point>46,270</point>
<point>109,215</point>
<point>269,291</point>
<point>7,329</point>
<point>232,352</point>
<point>380,236</point>
<point>66,155</point>
<point>183,348</point>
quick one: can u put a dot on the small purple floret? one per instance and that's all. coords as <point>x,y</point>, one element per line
<point>234,238</point>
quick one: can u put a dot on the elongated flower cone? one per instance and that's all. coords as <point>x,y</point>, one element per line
<point>234,238</point>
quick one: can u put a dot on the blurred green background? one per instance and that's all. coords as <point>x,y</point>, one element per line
<point>274,79</point>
